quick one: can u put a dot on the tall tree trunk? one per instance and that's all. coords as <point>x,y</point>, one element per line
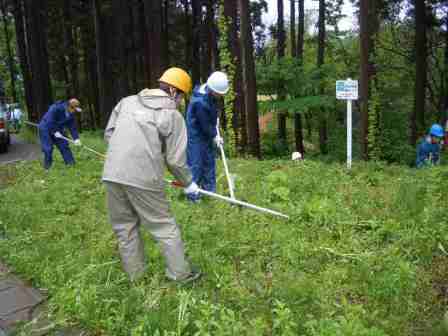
<point>417,118</point>
<point>212,54</point>
<point>133,56</point>
<point>281,41</point>
<point>368,28</point>
<point>197,23</point>
<point>292,28</point>
<point>36,25</point>
<point>249,80</point>
<point>323,136</point>
<point>298,125</point>
<point>444,117</point>
<point>153,14</point>
<point>101,63</point>
<point>301,30</point>
<point>23,56</point>
<point>71,48</point>
<point>166,38</point>
<point>90,68</point>
<point>121,47</point>
<point>188,35</point>
<point>239,116</point>
<point>11,61</point>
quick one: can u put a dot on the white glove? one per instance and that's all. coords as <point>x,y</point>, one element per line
<point>57,135</point>
<point>77,142</point>
<point>218,141</point>
<point>192,189</point>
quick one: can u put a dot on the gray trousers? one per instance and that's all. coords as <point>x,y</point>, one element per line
<point>128,208</point>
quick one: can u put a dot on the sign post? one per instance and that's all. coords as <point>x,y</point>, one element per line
<point>348,90</point>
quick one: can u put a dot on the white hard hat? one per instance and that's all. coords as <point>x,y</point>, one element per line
<point>218,82</point>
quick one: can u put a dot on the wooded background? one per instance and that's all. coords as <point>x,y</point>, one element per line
<point>101,51</point>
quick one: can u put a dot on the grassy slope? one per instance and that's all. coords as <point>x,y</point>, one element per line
<point>361,255</point>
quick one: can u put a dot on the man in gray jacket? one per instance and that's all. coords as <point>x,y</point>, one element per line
<point>146,132</point>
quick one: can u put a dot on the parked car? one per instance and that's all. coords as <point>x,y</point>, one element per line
<point>5,138</point>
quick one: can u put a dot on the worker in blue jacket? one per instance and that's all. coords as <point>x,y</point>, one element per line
<point>202,118</point>
<point>59,116</point>
<point>428,150</point>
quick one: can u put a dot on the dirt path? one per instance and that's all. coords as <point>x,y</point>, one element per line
<point>20,151</point>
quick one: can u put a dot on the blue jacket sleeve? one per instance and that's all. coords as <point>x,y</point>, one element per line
<point>72,127</point>
<point>205,118</point>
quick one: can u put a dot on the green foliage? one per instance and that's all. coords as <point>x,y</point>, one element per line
<point>228,63</point>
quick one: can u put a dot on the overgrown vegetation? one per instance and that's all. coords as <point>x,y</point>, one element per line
<point>365,252</point>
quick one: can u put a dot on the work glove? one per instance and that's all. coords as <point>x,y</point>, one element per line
<point>57,135</point>
<point>192,189</point>
<point>77,142</point>
<point>218,141</point>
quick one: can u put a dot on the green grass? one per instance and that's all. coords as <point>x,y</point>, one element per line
<point>365,252</point>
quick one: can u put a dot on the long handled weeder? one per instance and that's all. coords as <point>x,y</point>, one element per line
<point>233,201</point>
<point>226,168</point>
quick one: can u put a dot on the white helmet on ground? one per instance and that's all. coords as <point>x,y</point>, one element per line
<point>218,82</point>
<point>296,156</point>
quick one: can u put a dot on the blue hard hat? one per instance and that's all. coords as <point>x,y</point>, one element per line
<point>436,130</point>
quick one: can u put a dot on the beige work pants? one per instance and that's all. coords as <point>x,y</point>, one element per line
<point>129,207</point>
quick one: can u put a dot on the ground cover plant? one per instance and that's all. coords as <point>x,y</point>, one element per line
<point>365,251</point>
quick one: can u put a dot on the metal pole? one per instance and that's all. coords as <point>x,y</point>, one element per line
<point>349,133</point>
<point>84,146</point>
<point>226,168</point>
<point>244,204</point>
<point>231,200</point>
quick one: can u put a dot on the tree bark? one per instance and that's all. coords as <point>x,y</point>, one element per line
<point>36,24</point>
<point>71,49</point>
<point>281,42</point>
<point>323,136</point>
<point>444,116</point>
<point>153,23</point>
<point>210,54</point>
<point>292,28</point>
<point>301,30</point>
<point>196,24</point>
<point>417,118</point>
<point>239,116</point>
<point>121,46</point>
<point>11,61</point>
<point>368,28</point>
<point>105,105</point>
<point>90,67</point>
<point>298,124</point>
<point>23,57</point>
<point>249,80</point>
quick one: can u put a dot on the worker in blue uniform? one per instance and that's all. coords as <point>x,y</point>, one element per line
<point>59,116</point>
<point>202,116</point>
<point>428,150</point>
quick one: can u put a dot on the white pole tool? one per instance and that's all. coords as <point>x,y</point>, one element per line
<point>85,147</point>
<point>224,162</point>
<point>233,201</point>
